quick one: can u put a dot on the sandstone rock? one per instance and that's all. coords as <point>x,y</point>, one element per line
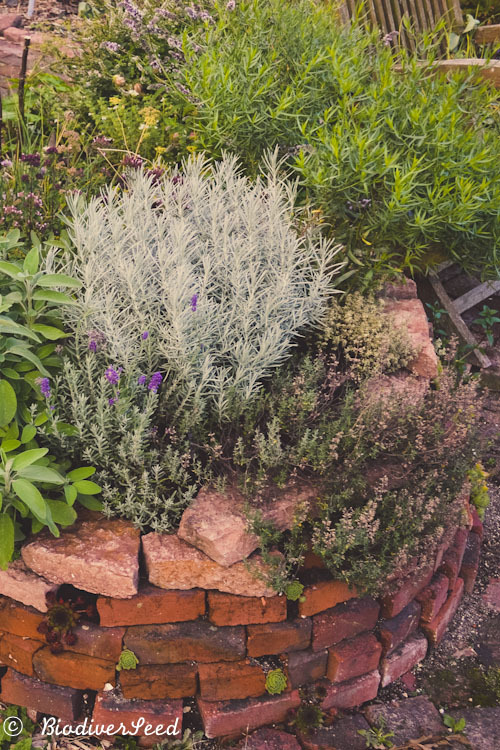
<point>491,596</point>
<point>173,564</point>
<point>409,314</point>
<point>215,522</point>
<point>482,726</point>
<point>21,584</point>
<point>408,719</point>
<point>10,20</point>
<point>97,555</point>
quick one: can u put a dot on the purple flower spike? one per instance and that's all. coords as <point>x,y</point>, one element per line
<point>194,302</point>
<point>155,382</point>
<point>141,380</point>
<point>113,376</point>
<point>111,401</point>
<point>44,384</point>
<point>145,335</point>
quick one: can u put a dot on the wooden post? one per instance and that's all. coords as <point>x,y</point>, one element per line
<point>22,80</point>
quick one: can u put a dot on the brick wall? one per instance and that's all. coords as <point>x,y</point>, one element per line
<point>206,644</point>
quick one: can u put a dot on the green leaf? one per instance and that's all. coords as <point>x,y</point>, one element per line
<point>7,537</point>
<point>58,279</point>
<point>91,503</point>
<point>76,474</point>
<point>28,433</point>
<point>10,269</point>
<point>460,725</point>
<point>61,512</point>
<point>471,23</point>
<point>83,487</point>
<point>31,497</point>
<point>41,419</point>
<point>28,457</point>
<point>49,332</point>
<point>8,403</point>
<point>453,41</point>
<point>21,351</point>
<point>10,445</point>
<point>10,373</point>
<point>15,329</point>
<point>70,494</point>
<point>31,261</point>
<point>41,474</point>
<point>58,297</point>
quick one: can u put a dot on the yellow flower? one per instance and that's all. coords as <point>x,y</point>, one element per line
<point>160,150</point>
<point>150,116</point>
<point>114,101</point>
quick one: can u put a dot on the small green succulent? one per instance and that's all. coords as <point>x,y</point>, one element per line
<point>294,590</point>
<point>127,660</point>
<point>275,681</point>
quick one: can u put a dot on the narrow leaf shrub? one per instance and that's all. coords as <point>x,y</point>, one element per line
<point>210,266</point>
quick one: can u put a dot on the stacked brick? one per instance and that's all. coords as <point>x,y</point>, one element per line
<point>206,645</point>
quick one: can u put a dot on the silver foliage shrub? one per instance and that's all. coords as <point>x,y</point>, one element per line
<point>208,263</point>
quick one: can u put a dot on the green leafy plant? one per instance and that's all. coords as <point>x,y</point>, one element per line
<point>457,726</point>
<point>293,591</point>
<point>8,728</point>
<point>276,681</point>
<point>486,320</point>
<point>127,660</point>
<point>376,736</point>
<point>308,717</point>
<point>479,494</point>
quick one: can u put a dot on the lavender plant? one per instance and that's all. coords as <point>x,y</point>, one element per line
<point>211,266</point>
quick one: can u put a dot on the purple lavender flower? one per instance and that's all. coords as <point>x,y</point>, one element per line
<point>112,401</point>
<point>145,335</point>
<point>194,302</point>
<point>155,382</point>
<point>112,375</point>
<point>111,46</point>
<point>44,384</point>
<point>32,159</point>
<point>141,380</point>
<point>231,5</point>
<point>97,340</point>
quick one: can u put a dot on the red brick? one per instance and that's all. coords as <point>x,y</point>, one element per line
<point>230,609</point>
<point>470,562</point>
<point>91,640</point>
<point>353,658</point>
<point>324,595</point>
<point>344,621</point>
<point>231,680</point>
<point>19,620</point>
<point>477,524</point>
<point>18,652</point>
<point>306,666</point>
<point>235,717</point>
<point>158,682</point>
<point>280,637</point>
<point>351,693</point>
<point>435,629</point>
<point>111,708</point>
<point>395,631</point>
<point>393,604</point>
<point>29,692</point>
<point>452,559</point>
<point>444,545</point>
<point>403,659</point>
<point>73,670</point>
<point>197,641</point>
<point>152,606</point>
<point>433,597</point>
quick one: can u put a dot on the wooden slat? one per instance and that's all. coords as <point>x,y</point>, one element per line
<point>489,70</point>
<point>487,34</point>
<point>476,295</point>
<point>456,321</point>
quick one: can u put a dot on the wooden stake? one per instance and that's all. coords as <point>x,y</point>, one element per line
<point>22,79</point>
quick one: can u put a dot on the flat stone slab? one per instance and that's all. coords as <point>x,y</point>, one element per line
<point>409,719</point>
<point>216,524</point>
<point>482,726</point>
<point>269,739</point>
<point>97,555</point>
<point>491,596</point>
<point>20,583</point>
<point>342,735</point>
<point>488,648</point>
<point>171,563</point>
